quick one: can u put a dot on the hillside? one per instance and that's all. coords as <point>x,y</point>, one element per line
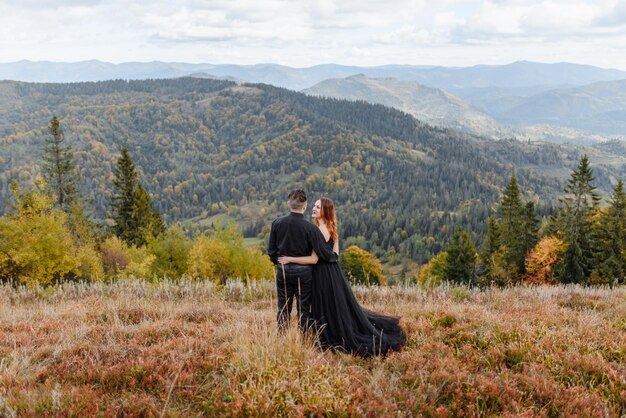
<point>190,349</point>
<point>433,106</point>
<point>212,150</point>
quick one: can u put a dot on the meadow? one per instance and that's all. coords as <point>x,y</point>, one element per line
<point>134,348</point>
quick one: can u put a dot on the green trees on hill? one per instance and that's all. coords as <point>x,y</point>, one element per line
<point>583,243</point>
<point>509,239</point>
<point>609,240</point>
<point>46,239</point>
<point>207,148</point>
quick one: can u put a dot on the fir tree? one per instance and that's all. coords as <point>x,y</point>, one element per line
<point>575,224</point>
<point>461,259</point>
<point>59,171</point>
<point>610,240</point>
<point>157,226</point>
<point>132,205</point>
<point>59,167</point>
<point>123,199</point>
<point>511,225</point>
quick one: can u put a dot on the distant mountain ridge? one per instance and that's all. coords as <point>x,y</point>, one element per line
<point>433,106</point>
<point>598,107</point>
<point>520,74</point>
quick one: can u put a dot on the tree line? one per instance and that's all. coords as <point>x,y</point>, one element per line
<point>579,243</point>
<point>49,236</point>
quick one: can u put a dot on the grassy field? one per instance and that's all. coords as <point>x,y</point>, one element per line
<point>191,349</point>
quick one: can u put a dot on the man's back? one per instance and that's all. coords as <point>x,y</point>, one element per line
<point>291,236</point>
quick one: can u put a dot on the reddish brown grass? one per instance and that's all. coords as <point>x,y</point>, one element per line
<point>190,349</point>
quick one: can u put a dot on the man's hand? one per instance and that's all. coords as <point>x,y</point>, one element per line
<point>283,259</point>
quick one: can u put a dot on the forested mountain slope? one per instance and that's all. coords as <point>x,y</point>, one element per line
<point>208,147</point>
<point>433,106</point>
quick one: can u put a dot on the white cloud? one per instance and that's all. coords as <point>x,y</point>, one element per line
<point>308,32</point>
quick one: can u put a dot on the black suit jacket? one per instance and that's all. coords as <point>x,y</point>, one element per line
<point>293,236</point>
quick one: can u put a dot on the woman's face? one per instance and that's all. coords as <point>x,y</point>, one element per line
<point>317,209</point>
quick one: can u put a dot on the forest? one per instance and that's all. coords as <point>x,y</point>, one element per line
<point>209,150</point>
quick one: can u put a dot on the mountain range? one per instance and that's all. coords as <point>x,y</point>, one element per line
<point>515,78</point>
<point>560,102</point>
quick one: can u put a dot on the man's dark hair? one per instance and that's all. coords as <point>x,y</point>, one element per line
<point>296,199</point>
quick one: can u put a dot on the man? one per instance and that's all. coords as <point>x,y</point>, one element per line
<point>292,235</point>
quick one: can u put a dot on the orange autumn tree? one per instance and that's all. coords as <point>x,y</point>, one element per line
<point>542,259</point>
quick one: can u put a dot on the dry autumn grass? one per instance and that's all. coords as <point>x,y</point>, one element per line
<point>190,349</point>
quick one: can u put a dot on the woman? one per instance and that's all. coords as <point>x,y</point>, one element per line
<point>342,323</point>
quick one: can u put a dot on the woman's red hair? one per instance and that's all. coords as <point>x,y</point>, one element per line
<point>327,214</point>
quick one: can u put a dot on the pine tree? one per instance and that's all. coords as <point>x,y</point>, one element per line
<point>512,225</point>
<point>59,167</point>
<point>461,259</point>
<point>610,240</point>
<point>123,200</point>
<point>575,224</point>
<point>132,205</point>
<point>59,171</point>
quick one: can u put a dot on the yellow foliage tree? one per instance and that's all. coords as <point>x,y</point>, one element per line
<point>90,263</point>
<point>541,260</point>
<point>431,273</point>
<point>362,267</point>
<point>35,244</point>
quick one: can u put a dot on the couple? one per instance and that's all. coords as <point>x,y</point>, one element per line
<point>306,256</point>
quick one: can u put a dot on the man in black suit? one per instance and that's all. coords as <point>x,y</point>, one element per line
<point>292,235</point>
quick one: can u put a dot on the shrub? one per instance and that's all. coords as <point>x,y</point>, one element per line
<point>90,263</point>
<point>171,252</point>
<point>223,255</point>
<point>431,274</point>
<point>114,257</point>
<point>119,259</point>
<point>362,267</point>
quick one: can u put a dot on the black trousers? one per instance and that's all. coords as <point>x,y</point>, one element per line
<point>296,284</point>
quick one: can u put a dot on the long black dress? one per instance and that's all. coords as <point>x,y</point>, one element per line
<point>342,323</point>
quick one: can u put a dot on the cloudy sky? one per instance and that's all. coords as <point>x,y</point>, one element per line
<point>308,32</point>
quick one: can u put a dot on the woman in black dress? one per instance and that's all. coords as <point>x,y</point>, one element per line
<point>342,323</point>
